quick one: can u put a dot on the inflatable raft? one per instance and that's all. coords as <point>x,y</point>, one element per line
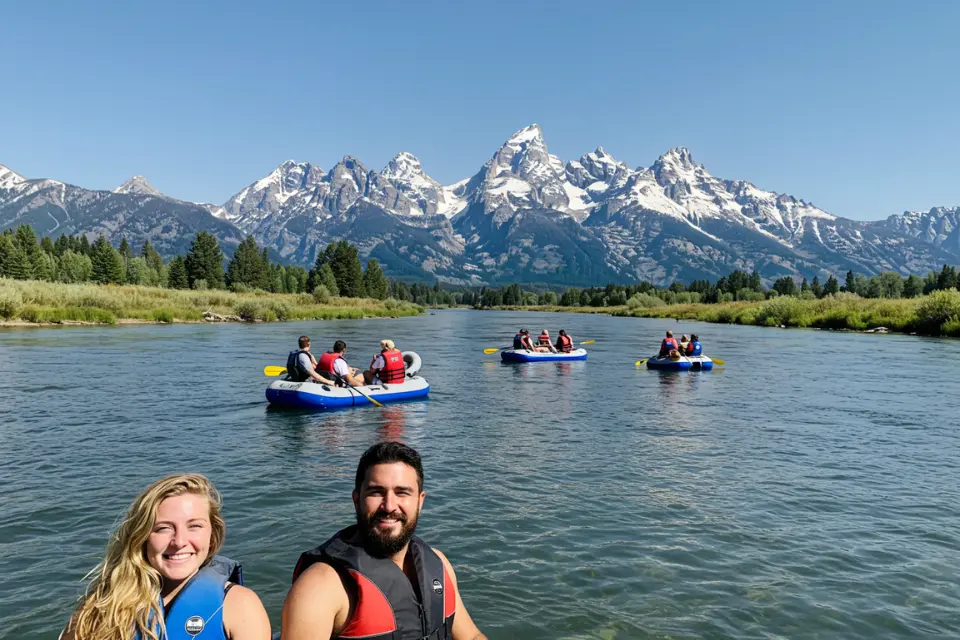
<point>522,355</point>
<point>316,395</point>
<point>683,363</point>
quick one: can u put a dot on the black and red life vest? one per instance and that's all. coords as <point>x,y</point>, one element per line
<point>387,606</point>
<point>325,364</point>
<point>566,343</point>
<point>394,370</point>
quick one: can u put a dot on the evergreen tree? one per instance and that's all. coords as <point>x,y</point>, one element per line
<point>913,287</point>
<point>61,245</point>
<point>804,286</point>
<point>204,261</point>
<point>374,282</point>
<point>177,274</point>
<point>850,284</point>
<point>816,287</point>
<point>947,279</point>
<point>756,284</point>
<point>124,249</point>
<point>107,263</point>
<point>832,286</point>
<point>152,256</point>
<point>247,266</point>
<point>85,247</point>
<point>47,246</point>
<point>785,286</point>
<point>327,279</point>
<point>26,241</point>
<point>344,260</point>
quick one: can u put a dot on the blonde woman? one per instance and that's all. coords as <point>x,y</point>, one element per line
<point>161,578</point>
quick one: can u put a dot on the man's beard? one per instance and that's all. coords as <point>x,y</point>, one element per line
<point>382,544</point>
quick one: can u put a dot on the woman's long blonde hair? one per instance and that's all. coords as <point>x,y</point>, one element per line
<point>123,597</point>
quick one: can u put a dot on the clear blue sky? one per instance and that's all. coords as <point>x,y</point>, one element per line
<point>852,105</point>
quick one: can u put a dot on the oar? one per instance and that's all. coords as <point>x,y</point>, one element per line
<point>357,389</point>
<point>276,371</point>
<point>640,363</point>
<point>718,361</point>
<point>588,342</point>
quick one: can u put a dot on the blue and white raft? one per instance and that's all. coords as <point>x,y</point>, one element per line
<point>683,363</point>
<point>315,395</point>
<point>523,355</point>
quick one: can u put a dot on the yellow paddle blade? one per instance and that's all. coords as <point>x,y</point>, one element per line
<point>489,351</point>
<point>588,342</point>
<point>274,371</point>
<point>718,361</point>
<point>640,363</point>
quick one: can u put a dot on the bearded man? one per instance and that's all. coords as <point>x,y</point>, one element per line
<point>376,579</point>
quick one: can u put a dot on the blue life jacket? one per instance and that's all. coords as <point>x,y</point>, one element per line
<point>196,613</point>
<point>295,370</point>
<point>697,348</point>
<point>518,341</point>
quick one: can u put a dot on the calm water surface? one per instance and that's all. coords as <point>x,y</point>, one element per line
<point>808,493</point>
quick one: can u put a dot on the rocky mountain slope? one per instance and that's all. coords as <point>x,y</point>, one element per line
<point>525,215</point>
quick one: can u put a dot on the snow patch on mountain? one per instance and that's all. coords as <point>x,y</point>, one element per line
<point>9,178</point>
<point>138,185</point>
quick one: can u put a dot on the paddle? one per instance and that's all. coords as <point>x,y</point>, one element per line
<point>492,350</point>
<point>640,363</point>
<point>276,371</point>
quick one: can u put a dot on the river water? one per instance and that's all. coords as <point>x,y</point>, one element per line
<point>809,489</point>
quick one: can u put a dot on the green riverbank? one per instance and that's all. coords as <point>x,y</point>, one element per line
<point>39,302</point>
<point>936,314</point>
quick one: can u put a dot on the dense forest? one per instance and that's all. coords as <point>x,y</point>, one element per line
<point>338,272</point>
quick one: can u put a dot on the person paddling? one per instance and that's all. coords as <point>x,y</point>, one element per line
<point>161,576</point>
<point>301,365</point>
<point>376,579</point>
<point>387,366</point>
<point>669,344</point>
<point>522,341</point>
<point>564,342</point>
<point>333,365</point>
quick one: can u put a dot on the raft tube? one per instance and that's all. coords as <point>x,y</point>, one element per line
<point>684,363</point>
<point>522,355</point>
<point>315,395</point>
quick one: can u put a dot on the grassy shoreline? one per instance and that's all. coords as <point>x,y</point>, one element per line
<point>937,314</point>
<point>34,302</point>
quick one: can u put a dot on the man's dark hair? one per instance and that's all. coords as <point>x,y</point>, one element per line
<point>339,346</point>
<point>385,453</point>
<point>694,337</point>
<point>304,342</point>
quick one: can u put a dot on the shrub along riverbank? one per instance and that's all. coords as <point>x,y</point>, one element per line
<point>936,314</point>
<point>34,301</point>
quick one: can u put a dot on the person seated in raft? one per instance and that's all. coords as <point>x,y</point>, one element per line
<point>669,346</point>
<point>694,348</point>
<point>522,341</point>
<point>544,344</point>
<point>161,576</point>
<point>301,365</point>
<point>564,342</point>
<point>334,367</point>
<point>387,367</point>
<point>684,341</point>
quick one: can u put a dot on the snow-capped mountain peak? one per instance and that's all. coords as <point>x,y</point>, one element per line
<point>10,178</point>
<point>138,185</point>
<point>404,166</point>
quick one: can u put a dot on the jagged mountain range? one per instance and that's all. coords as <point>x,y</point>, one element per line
<point>525,216</point>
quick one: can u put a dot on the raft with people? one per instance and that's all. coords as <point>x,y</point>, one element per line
<point>681,363</point>
<point>524,349</point>
<point>330,383</point>
<point>686,355</point>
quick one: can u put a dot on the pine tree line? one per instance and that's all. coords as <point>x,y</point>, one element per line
<point>73,259</point>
